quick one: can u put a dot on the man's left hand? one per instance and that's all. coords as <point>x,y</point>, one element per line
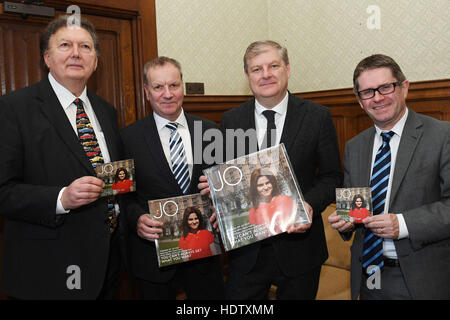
<point>213,220</point>
<point>383,225</point>
<point>303,228</point>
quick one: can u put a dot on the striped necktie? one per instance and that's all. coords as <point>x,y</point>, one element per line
<point>373,245</point>
<point>178,158</point>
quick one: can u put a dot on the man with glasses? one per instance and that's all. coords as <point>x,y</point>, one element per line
<point>403,250</point>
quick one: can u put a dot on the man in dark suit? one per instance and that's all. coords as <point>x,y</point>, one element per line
<point>292,261</point>
<point>147,142</point>
<point>57,240</point>
<point>410,235</point>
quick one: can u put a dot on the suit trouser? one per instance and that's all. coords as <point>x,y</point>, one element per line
<point>109,288</point>
<point>111,281</point>
<point>256,284</point>
<point>197,285</point>
<point>392,286</point>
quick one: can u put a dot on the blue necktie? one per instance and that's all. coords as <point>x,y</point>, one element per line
<point>178,157</point>
<point>373,245</point>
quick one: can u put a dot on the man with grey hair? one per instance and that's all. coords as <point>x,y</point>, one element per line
<point>147,141</point>
<point>60,240</point>
<point>292,261</point>
<point>403,250</point>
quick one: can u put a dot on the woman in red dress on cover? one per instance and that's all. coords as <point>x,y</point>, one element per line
<point>358,209</point>
<point>122,183</point>
<point>196,238</point>
<point>269,206</point>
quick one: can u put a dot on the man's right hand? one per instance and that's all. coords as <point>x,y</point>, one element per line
<point>148,228</point>
<point>340,225</point>
<point>203,186</point>
<point>82,191</point>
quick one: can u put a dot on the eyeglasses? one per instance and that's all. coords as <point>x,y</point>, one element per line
<point>383,90</point>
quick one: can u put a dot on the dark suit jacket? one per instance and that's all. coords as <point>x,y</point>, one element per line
<point>311,143</point>
<point>155,180</point>
<point>40,155</point>
<point>421,192</point>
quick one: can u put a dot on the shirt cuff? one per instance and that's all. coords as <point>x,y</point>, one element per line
<point>59,207</point>
<point>402,228</point>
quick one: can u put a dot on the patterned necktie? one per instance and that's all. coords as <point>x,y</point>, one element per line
<point>178,157</point>
<point>86,135</point>
<point>269,140</point>
<point>89,142</point>
<point>373,245</point>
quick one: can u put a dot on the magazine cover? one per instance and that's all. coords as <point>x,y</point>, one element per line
<point>187,233</point>
<point>353,204</point>
<point>256,196</point>
<point>118,177</point>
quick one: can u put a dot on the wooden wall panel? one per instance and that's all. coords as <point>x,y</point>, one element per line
<point>19,44</point>
<point>427,97</point>
<point>340,125</point>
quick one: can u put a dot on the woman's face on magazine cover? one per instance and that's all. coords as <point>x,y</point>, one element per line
<point>358,202</point>
<point>121,175</point>
<point>264,187</point>
<point>193,221</point>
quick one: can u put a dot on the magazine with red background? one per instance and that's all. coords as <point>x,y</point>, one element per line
<point>256,196</point>
<point>187,233</point>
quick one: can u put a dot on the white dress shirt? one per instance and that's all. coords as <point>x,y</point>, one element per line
<point>261,121</point>
<point>66,99</point>
<point>183,131</point>
<point>388,244</point>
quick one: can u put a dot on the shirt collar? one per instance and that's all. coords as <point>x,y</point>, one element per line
<point>280,108</point>
<point>398,127</point>
<point>161,122</point>
<point>64,96</point>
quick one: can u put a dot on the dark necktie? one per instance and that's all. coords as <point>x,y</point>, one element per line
<point>178,158</point>
<point>373,245</point>
<point>270,137</point>
<point>89,142</point>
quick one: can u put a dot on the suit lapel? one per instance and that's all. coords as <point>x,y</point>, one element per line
<point>245,121</point>
<point>365,159</point>
<point>411,135</point>
<point>53,110</point>
<point>156,151</point>
<point>292,123</point>
<point>196,168</point>
<point>248,121</point>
